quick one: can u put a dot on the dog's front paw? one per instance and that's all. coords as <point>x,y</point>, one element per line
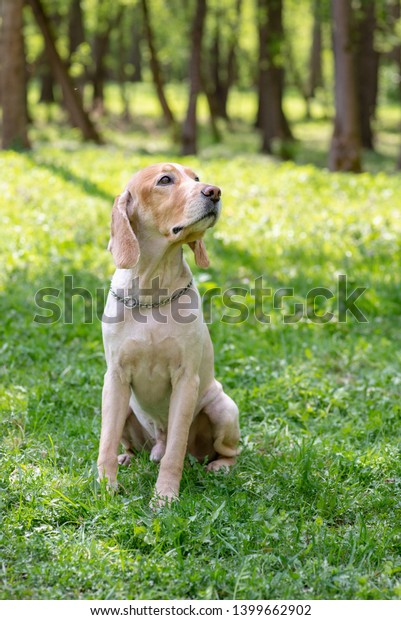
<point>108,475</point>
<point>111,486</point>
<point>160,501</point>
<point>163,496</point>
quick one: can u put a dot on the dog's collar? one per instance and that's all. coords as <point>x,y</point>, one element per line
<point>132,302</point>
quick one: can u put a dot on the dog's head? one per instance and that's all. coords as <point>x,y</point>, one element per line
<point>163,203</point>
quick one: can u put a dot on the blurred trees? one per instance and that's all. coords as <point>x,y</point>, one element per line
<point>108,18</point>
<point>72,99</point>
<point>334,52</point>
<point>221,53</point>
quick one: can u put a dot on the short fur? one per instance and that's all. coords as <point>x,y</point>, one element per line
<point>159,390</point>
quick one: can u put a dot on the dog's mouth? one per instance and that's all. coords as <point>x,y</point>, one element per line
<point>210,215</point>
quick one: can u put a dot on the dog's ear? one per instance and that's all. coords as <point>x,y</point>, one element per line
<point>199,249</point>
<point>123,243</point>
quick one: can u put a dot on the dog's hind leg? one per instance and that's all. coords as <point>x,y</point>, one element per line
<point>159,449</point>
<point>224,418</point>
<point>134,438</point>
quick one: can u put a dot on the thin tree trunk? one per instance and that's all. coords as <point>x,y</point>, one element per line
<point>395,54</point>
<point>13,77</point>
<point>297,78</point>
<point>76,31</point>
<point>46,80</point>
<point>394,14</point>
<point>231,64</point>
<point>121,73</point>
<point>263,62</point>
<point>367,70</point>
<point>189,131</point>
<point>212,80</point>
<point>271,82</point>
<point>213,110</point>
<point>212,84</point>
<point>76,36</point>
<point>155,68</point>
<point>345,148</point>
<point>100,48</point>
<point>222,72</point>
<point>315,62</point>
<point>135,51</point>
<point>47,84</point>
<point>73,104</point>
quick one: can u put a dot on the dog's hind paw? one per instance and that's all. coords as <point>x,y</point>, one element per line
<point>157,452</point>
<point>124,459</point>
<point>222,463</point>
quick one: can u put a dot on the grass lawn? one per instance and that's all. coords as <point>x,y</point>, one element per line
<point>313,507</point>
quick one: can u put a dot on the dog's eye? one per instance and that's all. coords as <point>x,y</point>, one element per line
<point>165,180</point>
<point>197,179</point>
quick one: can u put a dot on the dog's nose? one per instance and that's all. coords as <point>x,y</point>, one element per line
<point>212,192</point>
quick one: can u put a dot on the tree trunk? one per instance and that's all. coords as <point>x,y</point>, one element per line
<point>263,62</point>
<point>367,69</point>
<point>212,80</point>
<point>47,84</point>
<point>315,63</point>
<point>135,51</point>
<point>395,54</point>
<point>297,77</point>
<point>189,130</point>
<point>101,43</point>
<point>231,64</point>
<point>155,67</point>
<point>271,74</point>
<point>78,116</point>
<point>46,80</point>
<point>222,72</point>
<point>345,148</point>
<point>76,31</point>
<point>121,71</point>
<point>13,77</point>
<point>315,78</point>
<point>394,14</point>
<point>213,110</point>
<point>100,48</point>
<point>76,36</point>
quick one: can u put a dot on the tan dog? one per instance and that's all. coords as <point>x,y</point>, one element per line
<point>159,390</point>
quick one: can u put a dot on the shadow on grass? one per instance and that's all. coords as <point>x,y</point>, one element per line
<point>67,175</point>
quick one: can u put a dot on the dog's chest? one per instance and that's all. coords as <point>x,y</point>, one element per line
<point>148,359</point>
<point>150,363</point>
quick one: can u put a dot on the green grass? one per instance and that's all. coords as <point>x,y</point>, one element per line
<point>312,509</point>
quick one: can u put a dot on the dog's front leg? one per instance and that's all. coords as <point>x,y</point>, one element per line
<point>115,408</point>
<point>181,411</point>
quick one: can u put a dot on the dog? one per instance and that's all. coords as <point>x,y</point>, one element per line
<point>159,390</point>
